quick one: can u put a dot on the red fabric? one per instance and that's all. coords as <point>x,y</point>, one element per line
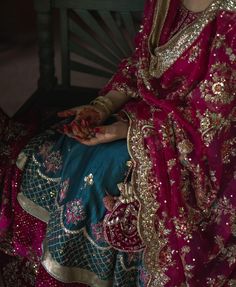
<point>183,135</point>
<point>186,121</point>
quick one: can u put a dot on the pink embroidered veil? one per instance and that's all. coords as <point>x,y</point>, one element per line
<point>183,145</point>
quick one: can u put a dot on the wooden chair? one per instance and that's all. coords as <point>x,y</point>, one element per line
<point>100,32</point>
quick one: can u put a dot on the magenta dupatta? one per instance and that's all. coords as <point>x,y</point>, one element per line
<point>182,141</point>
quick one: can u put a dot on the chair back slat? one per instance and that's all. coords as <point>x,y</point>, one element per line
<point>117,35</point>
<point>129,24</point>
<point>79,67</point>
<point>79,50</point>
<point>105,5</point>
<point>87,39</point>
<point>95,36</point>
<point>99,30</point>
<point>64,47</point>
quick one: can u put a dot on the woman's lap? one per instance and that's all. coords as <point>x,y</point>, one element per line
<point>64,184</point>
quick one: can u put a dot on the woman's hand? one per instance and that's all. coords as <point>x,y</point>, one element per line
<point>105,134</point>
<point>92,114</point>
<point>85,119</point>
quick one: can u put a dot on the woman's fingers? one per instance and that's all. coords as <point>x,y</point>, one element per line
<point>102,135</point>
<point>67,113</point>
<point>82,132</point>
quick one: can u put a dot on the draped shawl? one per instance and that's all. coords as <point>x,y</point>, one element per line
<point>179,207</point>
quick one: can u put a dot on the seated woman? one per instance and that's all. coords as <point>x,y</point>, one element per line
<point>146,198</point>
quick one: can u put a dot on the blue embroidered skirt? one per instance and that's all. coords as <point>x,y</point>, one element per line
<point>64,184</point>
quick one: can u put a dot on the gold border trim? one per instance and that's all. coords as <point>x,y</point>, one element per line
<point>166,55</point>
<point>32,208</point>
<point>21,160</point>
<point>229,5</point>
<point>148,205</point>
<point>160,14</point>
<point>70,274</point>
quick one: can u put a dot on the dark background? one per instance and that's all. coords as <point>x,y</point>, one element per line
<point>17,22</point>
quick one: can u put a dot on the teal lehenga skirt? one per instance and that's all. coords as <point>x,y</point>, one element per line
<point>64,184</point>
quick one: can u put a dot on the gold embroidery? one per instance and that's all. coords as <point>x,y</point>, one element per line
<point>229,5</point>
<point>217,90</point>
<point>159,18</point>
<point>127,194</point>
<point>194,53</point>
<point>228,253</point>
<point>21,160</point>
<point>171,163</point>
<point>187,267</point>
<point>32,208</point>
<point>220,280</point>
<point>220,42</point>
<point>166,55</point>
<point>228,150</point>
<point>70,274</point>
<point>232,283</point>
<point>230,53</point>
<point>185,147</point>
<point>145,185</point>
<point>184,225</point>
<point>125,89</point>
<point>211,124</point>
<point>89,179</point>
<point>167,132</point>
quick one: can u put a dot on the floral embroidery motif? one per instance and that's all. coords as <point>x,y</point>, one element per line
<point>194,53</point>
<point>230,53</point>
<point>74,211</point>
<point>220,42</point>
<point>63,189</point>
<point>185,225</point>
<point>217,90</point>
<point>218,281</point>
<point>228,150</point>
<point>53,162</point>
<point>52,159</point>
<point>185,250</point>
<point>89,179</point>
<point>171,163</point>
<point>45,149</point>
<point>127,194</point>
<point>185,147</point>
<point>228,252</point>
<point>167,133</point>
<point>211,124</point>
<point>97,230</point>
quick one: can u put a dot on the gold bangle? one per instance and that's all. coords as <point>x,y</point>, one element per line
<point>105,103</point>
<point>103,106</point>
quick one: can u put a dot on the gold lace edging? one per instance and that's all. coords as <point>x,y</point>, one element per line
<point>141,177</point>
<point>21,160</point>
<point>70,274</point>
<point>166,55</point>
<point>32,208</point>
